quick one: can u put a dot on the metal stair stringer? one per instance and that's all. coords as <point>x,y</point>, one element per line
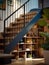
<point>24,31</point>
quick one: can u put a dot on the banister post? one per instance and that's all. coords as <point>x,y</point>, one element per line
<point>24,15</point>
<point>4,34</point>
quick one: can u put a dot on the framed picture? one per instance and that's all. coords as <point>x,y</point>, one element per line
<point>2,4</point>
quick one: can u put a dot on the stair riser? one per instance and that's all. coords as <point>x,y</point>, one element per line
<point>1,47</point>
<point>10,34</point>
<point>28,14</point>
<point>21,23</point>
<point>2,40</point>
<point>23,19</point>
<point>26,17</point>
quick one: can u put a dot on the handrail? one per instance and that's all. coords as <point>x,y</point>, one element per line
<point>16,10</point>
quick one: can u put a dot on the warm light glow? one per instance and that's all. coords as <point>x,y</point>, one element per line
<point>35,26</point>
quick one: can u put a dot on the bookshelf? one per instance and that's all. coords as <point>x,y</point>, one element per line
<point>28,47</point>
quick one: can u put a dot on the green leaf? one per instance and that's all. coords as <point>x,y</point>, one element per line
<point>42,22</point>
<point>44,34</point>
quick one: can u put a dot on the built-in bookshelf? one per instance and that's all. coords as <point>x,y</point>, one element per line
<point>28,47</point>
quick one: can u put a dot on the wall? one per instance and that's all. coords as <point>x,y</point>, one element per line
<point>45,4</point>
<point>11,8</point>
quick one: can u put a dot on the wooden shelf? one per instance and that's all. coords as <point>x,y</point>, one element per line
<point>28,48</point>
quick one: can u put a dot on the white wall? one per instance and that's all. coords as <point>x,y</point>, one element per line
<point>32,4</point>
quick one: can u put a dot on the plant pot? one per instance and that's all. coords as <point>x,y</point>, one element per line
<point>46,56</point>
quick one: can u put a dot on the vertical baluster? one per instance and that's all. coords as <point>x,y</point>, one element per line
<point>8,11</point>
<point>20,14</point>
<point>17,17</point>
<point>12,20</point>
<point>12,17</point>
<point>24,15</point>
<point>2,11</point>
<point>4,29</point>
<point>4,34</point>
<point>26,10</point>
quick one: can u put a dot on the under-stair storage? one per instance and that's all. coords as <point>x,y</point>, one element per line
<point>29,46</point>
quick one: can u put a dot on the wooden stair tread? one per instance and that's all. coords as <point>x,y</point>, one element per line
<point>1,44</point>
<point>18,19</point>
<point>26,17</point>
<point>11,32</point>
<point>1,51</point>
<point>14,27</point>
<point>18,23</point>
<point>30,13</point>
<point>21,22</point>
<point>1,37</point>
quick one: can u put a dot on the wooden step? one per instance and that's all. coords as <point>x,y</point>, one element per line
<point>27,17</point>
<point>1,47</point>
<point>13,28</point>
<point>10,34</point>
<point>30,13</point>
<point>1,40</point>
<point>17,26</point>
<point>19,20</point>
<point>1,44</point>
<point>18,23</point>
<point>22,18</point>
<point>1,51</point>
<point>7,39</point>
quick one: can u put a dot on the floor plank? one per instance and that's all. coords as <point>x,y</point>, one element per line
<point>31,62</point>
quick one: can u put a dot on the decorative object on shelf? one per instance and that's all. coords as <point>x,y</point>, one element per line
<point>27,49</point>
<point>29,40</point>
<point>29,54</point>
<point>32,47</point>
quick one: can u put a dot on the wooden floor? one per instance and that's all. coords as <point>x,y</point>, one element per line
<point>31,62</point>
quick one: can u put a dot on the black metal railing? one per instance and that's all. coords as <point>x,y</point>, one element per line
<point>8,29</point>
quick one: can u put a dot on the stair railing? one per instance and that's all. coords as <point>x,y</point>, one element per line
<point>11,16</point>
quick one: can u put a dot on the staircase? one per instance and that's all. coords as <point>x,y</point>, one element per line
<point>16,30</point>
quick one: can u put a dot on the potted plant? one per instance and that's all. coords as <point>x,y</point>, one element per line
<point>45,46</point>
